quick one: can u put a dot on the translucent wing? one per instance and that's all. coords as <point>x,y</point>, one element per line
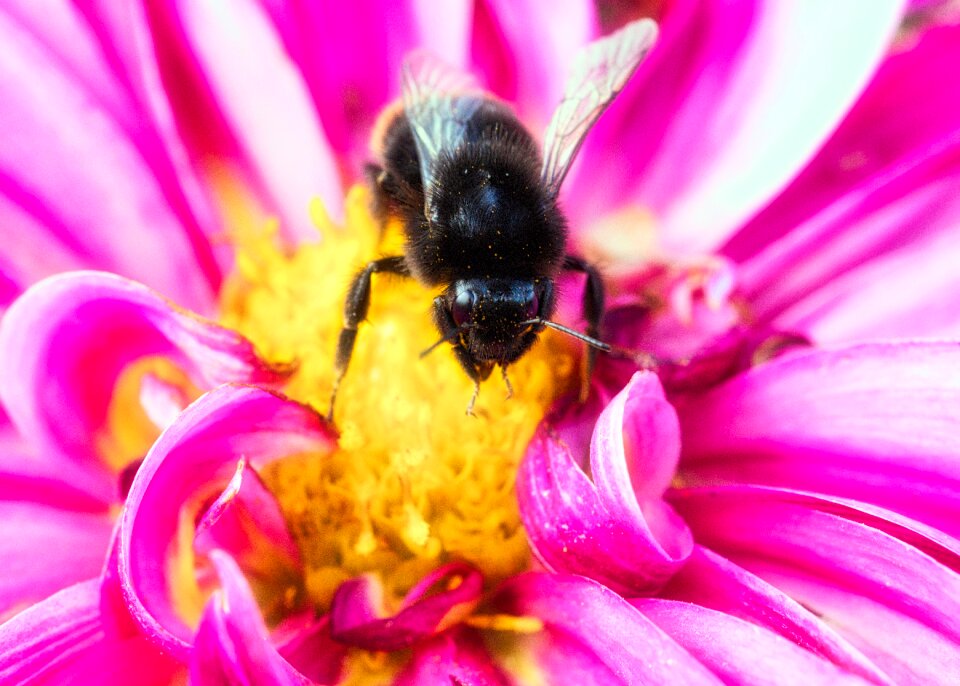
<point>600,71</point>
<point>437,102</point>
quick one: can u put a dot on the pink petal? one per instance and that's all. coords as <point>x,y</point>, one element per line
<point>237,81</point>
<point>76,180</point>
<point>599,632</point>
<point>232,644</point>
<point>738,651</point>
<point>438,601</point>
<point>61,641</point>
<point>45,548</point>
<point>530,74</point>
<point>193,459</point>
<point>65,342</point>
<point>785,540</point>
<point>715,124</point>
<point>615,529</point>
<point>874,423</point>
<point>717,584</point>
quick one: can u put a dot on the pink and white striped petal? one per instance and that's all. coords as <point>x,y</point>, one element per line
<point>66,341</point>
<point>246,104</point>
<point>321,39</point>
<point>720,118</point>
<point>105,206</point>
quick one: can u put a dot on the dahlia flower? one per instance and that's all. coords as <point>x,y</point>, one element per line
<point>772,499</point>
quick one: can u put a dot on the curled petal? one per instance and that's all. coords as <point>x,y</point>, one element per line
<point>615,529</point>
<point>246,521</point>
<point>66,341</point>
<point>192,460</point>
<point>232,644</point>
<point>589,631</point>
<point>738,651</point>
<point>438,601</point>
<point>821,421</point>
<point>61,640</point>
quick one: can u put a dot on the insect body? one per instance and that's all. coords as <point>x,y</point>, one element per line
<point>479,205</point>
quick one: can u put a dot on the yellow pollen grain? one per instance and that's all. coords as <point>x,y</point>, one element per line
<point>414,482</point>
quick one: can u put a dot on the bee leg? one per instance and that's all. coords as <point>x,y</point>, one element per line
<point>355,311</point>
<point>592,312</point>
<point>506,380</point>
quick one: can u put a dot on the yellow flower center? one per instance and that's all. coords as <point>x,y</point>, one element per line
<point>415,482</point>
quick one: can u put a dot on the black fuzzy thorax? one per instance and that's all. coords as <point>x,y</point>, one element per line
<point>491,216</point>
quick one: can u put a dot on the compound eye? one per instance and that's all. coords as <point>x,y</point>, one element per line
<point>462,309</point>
<point>533,307</point>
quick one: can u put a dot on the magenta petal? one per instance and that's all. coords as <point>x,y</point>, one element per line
<point>873,422</point>
<point>46,548</point>
<point>717,584</point>
<point>439,600</point>
<point>193,459</point>
<point>65,342</point>
<point>77,189</point>
<point>61,641</point>
<point>456,657</point>
<point>738,651</point>
<point>600,633</point>
<point>232,645</point>
<point>615,529</point>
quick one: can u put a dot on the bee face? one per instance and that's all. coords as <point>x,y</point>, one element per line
<point>495,316</point>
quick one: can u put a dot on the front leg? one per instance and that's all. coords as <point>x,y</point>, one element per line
<point>476,370</point>
<point>355,311</point>
<point>592,311</point>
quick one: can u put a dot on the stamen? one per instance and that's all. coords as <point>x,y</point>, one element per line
<point>412,485</point>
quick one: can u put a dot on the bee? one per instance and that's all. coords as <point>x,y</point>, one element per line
<point>479,206</point>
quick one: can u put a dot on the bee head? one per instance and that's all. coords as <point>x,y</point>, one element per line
<point>493,315</point>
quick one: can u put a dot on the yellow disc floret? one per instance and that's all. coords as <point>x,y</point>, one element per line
<point>416,482</point>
